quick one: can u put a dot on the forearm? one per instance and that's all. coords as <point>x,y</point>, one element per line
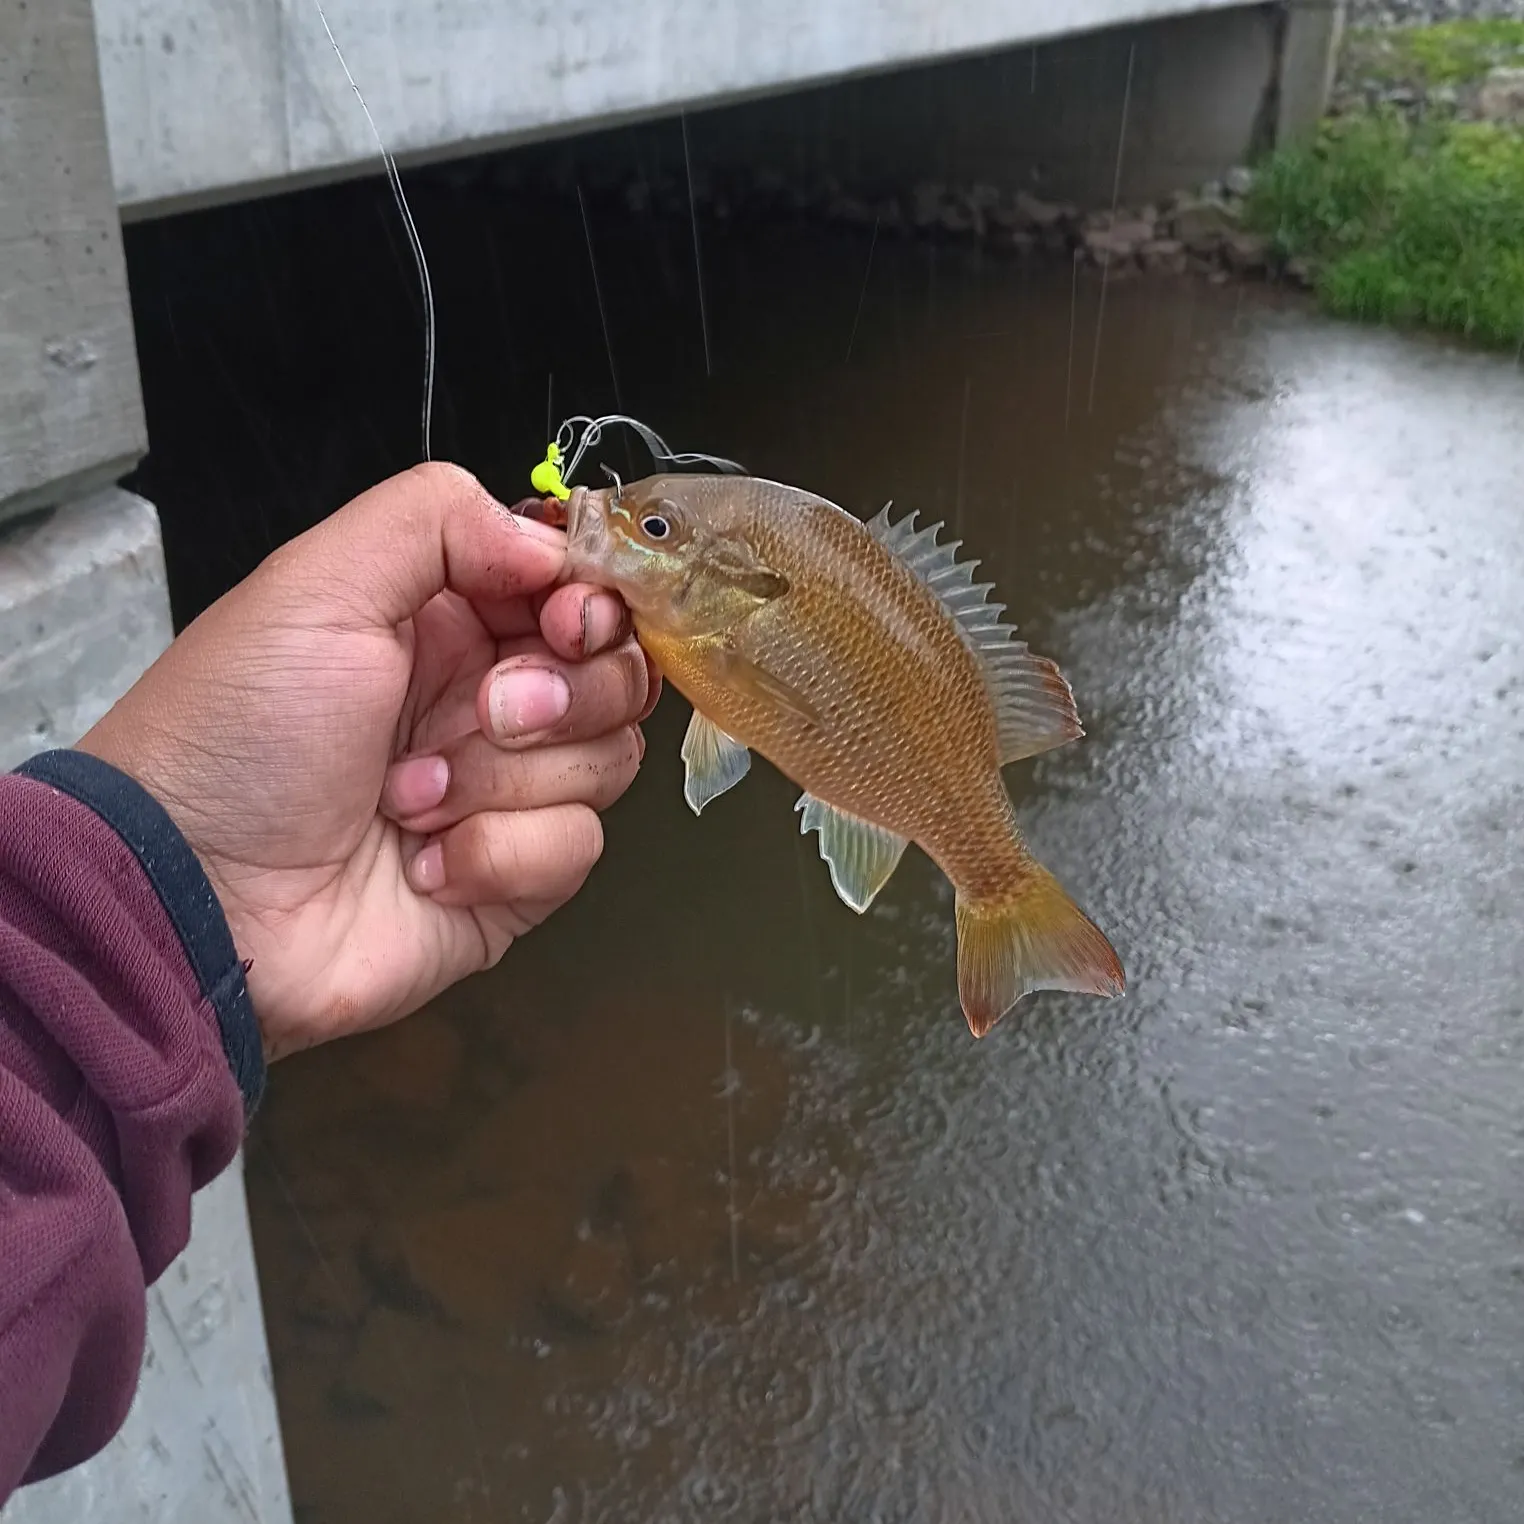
<point>129,1059</point>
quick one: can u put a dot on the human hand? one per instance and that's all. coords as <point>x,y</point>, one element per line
<point>387,747</point>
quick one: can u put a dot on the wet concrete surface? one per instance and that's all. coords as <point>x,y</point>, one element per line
<point>705,1205</point>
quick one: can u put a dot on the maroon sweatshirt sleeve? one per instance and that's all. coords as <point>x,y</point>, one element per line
<point>129,1062</point>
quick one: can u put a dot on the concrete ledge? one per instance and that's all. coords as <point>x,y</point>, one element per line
<point>84,609</point>
<point>201,1445</point>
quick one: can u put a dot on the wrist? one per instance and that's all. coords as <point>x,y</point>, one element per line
<point>184,891</point>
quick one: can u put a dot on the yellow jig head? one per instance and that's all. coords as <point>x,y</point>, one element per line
<point>546,476</point>
<point>549,477</point>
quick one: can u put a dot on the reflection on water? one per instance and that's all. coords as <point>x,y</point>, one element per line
<point>1246,1246</point>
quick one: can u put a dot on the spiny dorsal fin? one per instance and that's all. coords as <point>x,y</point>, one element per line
<point>1034,706</point>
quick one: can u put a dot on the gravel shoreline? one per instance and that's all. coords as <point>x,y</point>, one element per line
<point>1200,232</point>
<point>1385,13</point>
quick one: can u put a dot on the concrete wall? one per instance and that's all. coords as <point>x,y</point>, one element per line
<point>71,414</point>
<point>209,99</point>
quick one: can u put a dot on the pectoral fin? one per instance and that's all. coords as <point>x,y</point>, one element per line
<point>747,677</point>
<point>861,856</point>
<point>714,762</point>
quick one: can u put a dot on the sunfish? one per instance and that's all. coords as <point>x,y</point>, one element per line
<point>864,662</point>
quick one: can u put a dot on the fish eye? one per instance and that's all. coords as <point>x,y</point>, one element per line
<point>655,527</point>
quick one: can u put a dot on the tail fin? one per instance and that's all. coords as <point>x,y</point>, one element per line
<point>1036,939</point>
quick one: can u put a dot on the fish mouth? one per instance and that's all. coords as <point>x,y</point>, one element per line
<point>587,534</point>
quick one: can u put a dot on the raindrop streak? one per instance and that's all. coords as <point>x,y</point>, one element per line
<point>862,295</point>
<point>811,938</point>
<point>301,1221</point>
<point>730,1128</point>
<point>395,181</point>
<point>1073,305</point>
<point>1116,196</point>
<point>968,382</point>
<point>603,316</point>
<point>698,265</point>
<point>476,1441</point>
<point>846,991</point>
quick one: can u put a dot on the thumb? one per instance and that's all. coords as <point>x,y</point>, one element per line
<point>434,527</point>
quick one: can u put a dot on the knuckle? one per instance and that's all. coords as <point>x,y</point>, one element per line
<point>498,855</point>
<point>625,766</point>
<point>281,570</point>
<point>443,478</point>
<point>510,780</point>
<point>582,839</point>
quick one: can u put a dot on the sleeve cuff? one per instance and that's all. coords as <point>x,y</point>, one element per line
<point>183,890</point>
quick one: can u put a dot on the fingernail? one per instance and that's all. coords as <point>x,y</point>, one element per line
<point>417,784</point>
<point>640,744</point>
<point>523,700</point>
<point>602,618</point>
<point>426,871</point>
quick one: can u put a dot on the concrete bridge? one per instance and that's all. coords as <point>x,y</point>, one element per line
<point>129,109</point>
<point>206,102</point>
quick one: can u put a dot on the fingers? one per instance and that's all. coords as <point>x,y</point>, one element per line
<point>381,557</point>
<point>453,712</point>
<point>430,794</point>
<point>578,621</point>
<point>527,700</point>
<point>538,858</point>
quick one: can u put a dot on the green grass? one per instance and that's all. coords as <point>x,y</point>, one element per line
<point>1449,53</point>
<point>1403,224</point>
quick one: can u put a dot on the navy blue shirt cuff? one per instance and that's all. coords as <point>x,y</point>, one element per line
<point>184,891</point>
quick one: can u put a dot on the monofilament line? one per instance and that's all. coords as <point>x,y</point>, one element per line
<point>863,294</point>
<point>395,181</point>
<point>1116,196</point>
<point>603,317</point>
<point>698,264</point>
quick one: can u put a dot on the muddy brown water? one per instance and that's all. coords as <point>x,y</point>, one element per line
<point>705,1205</point>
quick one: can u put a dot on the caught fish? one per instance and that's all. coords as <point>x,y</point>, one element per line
<point>864,662</point>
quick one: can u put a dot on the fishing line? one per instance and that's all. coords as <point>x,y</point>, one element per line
<point>553,473</point>
<point>549,475</point>
<point>394,179</point>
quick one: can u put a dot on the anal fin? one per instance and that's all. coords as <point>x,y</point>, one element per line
<point>713,760</point>
<point>861,856</point>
